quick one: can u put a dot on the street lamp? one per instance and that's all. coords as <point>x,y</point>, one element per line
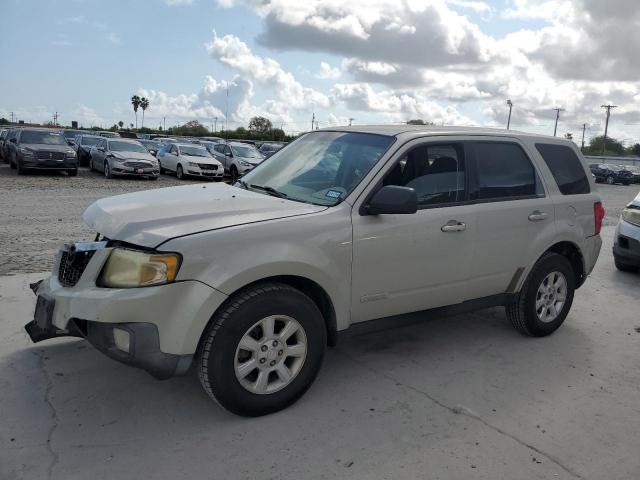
<point>510,103</point>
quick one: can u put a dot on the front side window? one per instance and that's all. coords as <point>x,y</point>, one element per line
<point>319,167</point>
<point>435,172</point>
<point>245,152</point>
<point>565,167</point>
<point>44,138</point>
<point>89,141</point>
<point>503,170</point>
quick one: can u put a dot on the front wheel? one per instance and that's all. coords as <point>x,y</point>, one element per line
<point>623,267</point>
<point>546,297</point>
<point>73,172</point>
<point>107,170</point>
<point>179,172</point>
<point>262,350</point>
<point>610,180</point>
<point>234,175</point>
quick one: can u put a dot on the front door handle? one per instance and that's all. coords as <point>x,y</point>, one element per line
<point>537,216</point>
<point>454,226</point>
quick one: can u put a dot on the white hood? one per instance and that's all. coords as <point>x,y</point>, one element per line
<point>636,201</point>
<point>151,217</point>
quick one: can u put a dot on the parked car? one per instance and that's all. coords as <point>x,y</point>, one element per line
<point>70,136</point>
<point>42,149</point>
<point>269,148</point>
<point>237,158</point>
<point>3,135</point>
<point>213,139</point>
<point>83,145</point>
<point>152,146</point>
<point>186,160</point>
<point>353,229</point>
<point>635,171</point>
<point>611,174</point>
<point>626,246</point>
<point>122,157</point>
<point>7,145</point>
<point>108,134</point>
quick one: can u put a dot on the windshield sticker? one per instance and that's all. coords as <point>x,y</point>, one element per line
<point>333,194</point>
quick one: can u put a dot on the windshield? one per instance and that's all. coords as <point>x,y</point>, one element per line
<point>320,167</point>
<point>271,147</point>
<point>150,144</point>
<point>71,133</point>
<point>194,151</point>
<point>245,152</point>
<point>48,138</point>
<point>126,147</point>
<point>90,141</point>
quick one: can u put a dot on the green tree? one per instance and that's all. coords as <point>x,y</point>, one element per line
<point>144,104</point>
<point>4,121</point>
<point>417,121</point>
<point>613,146</point>
<point>635,150</point>
<point>260,125</point>
<point>135,102</point>
<point>121,124</point>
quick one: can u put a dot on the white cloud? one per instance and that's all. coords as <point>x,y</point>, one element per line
<point>327,72</point>
<point>114,38</point>
<point>178,3</point>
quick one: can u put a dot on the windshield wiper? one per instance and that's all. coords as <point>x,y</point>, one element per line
<point>270,190</point>
<point>243,184</point>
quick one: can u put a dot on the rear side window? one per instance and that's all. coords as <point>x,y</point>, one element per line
<point>565,167</point>
<point>503,171</point>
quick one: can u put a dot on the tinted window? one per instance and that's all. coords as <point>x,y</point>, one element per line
<point>89,141</point>
<point>565,167</point>
<point>43,137</point>
<point>503,170</point>
<point>435,172</point>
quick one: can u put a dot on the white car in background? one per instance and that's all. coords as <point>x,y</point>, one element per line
<point>626,247</point>
<point>190,160</point>
<point>238,158</point>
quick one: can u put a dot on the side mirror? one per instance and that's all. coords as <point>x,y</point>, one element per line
<point>228,154</point>
<point>392,199</point>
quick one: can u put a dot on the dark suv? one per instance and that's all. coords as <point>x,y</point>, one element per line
<point>611,174</point>
<point>42,149</point>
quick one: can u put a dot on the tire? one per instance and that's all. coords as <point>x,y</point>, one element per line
<point>153,178</point>
<point>91,169</point>
<point>162,170</point>
<point>179,172</point>
<point>21,169</point>
<point>73,172</point>
<point>12,164</point>
<point>246,311</point>
<point>107,170</point>
<point>610,180</point>
<point>624,267</point>
<point>234,175</point>
<point>524,315</point>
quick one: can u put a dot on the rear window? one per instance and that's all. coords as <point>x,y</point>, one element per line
<point>565,167</point>
<point>503,171</point>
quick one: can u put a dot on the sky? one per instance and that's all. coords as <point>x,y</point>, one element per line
<point>451,62</point>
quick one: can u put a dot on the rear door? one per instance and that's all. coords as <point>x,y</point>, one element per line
<point>514,213</point>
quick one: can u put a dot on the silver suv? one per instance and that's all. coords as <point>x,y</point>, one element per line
<point>342,231</point>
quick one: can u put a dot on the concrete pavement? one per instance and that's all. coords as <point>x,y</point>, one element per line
<point>453,398</point>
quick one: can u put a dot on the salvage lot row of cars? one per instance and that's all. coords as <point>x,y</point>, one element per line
<point>209,158</point>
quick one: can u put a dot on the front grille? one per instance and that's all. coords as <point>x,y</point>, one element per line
<point>50,155</point>
<point>72,265</point>
<point>208,166</point>
<point>137,164</point>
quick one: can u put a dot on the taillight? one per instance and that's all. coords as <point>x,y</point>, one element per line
<point>598,216</point>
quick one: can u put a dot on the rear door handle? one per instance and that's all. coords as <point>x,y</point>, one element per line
<point>537,216</point>
<point>454,226</point>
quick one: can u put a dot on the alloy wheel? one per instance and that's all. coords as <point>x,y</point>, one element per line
<point>270,354</point>
<point>551,296</point>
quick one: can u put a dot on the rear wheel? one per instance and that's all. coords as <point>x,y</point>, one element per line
<point>545,298</point>
<point>263,350</point>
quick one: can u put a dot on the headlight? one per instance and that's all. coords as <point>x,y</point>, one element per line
<point>132,268</point>
<point>245,164</point>
<point>26,152</point>
<point>193,164</point>
<point>631,215</point>
<point>71,154</point>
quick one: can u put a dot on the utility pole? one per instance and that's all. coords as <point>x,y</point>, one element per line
<point>226,110</point>
<point>351,120</point>
<point>557,110</point>
<point>313,119</point>
<point>584,129</point>
<point>215,123</point>
<point>164,123</point>
<point>606,125</point>
<point>12,116</point>
<point>55,119</point>
<point>510,103</point>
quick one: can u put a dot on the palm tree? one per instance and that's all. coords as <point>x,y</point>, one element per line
<point>144,104</point>
<point>121,123</point>
<point>135,101</point>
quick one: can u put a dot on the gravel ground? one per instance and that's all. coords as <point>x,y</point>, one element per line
<point>41,212</point>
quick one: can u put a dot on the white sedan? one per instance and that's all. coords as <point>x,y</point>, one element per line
<point>190,160</point>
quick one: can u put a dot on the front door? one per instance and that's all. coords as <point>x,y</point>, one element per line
<point>408,263</point>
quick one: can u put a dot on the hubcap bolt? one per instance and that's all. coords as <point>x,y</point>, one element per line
<point>275,343</point>
<point>280,352</point>
<point>273,362</point>
<point>263,348</point>
<point>262,360</point>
